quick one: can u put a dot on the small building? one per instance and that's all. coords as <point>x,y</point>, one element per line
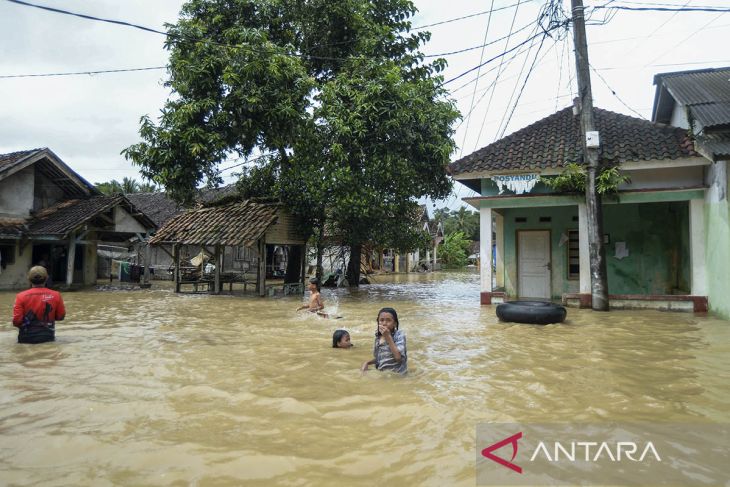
<point>240,242</point>
<point>699,101</point>
<point>50,215</point>
<point>654,230</point>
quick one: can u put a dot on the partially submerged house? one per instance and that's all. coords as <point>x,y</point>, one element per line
<point>654,231</point>
<point>699,101</point>
<point>49,215</point>
<point>240,241</point>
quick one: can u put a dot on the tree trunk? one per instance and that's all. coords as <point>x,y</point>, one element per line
<point>294,265</point>
<point>353,267</point>
<point>320,251</point>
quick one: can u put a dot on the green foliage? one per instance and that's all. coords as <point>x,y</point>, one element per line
<point>128,185</point>
<point>339,93</point>
<point>454,250</point>
<point>573,180</point>
<point>461,220</point>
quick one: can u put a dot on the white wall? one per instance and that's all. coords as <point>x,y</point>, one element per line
<point>16,194</point>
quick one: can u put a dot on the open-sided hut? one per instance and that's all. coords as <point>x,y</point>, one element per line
<point>231,230</point>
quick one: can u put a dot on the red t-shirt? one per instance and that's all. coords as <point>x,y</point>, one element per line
<point>35,299</point>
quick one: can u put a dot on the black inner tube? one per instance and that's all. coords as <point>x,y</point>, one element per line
<point>531,312</point>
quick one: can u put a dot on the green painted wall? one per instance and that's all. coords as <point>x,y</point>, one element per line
<point>656,234</point>
<point>717,254</point>
<point>657,238</point>
<point>561,221</point>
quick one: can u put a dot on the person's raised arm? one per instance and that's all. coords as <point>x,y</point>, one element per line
<point>391,344</point>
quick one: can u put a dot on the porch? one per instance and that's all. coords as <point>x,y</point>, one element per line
<point>539,248</point>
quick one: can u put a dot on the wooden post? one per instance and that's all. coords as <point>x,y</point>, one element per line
<point>262,267</point>
<point>599,281</point>
<point>217,259</point>
<point>396,262</point>
<point>147,260</point>
<point>304,264</point>
<point>176,262</point>
<point>70,258</point>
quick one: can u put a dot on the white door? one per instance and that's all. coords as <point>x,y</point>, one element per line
<point>533,267</point>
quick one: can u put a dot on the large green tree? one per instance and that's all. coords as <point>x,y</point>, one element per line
<point>353,124</point>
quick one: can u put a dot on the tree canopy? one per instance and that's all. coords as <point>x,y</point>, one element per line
<point>128,185</point>
<point>352,125</point>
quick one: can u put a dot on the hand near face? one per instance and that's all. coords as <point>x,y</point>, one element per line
<point>384,330</point>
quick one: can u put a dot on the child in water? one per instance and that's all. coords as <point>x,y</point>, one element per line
<point>341,339</point>
<point>389,349</point>
<point>315,304</point>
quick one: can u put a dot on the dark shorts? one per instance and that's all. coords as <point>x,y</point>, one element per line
<point>36,334</point>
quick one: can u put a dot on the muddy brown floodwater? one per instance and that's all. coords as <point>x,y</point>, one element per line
<point>153,388</point>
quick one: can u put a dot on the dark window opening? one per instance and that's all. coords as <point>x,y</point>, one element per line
<point>545,219</point>
<point>573,255</point>
<point>520,219</point>
<point>7,255</point>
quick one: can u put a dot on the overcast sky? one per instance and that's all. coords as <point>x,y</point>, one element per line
<point>87,120</point>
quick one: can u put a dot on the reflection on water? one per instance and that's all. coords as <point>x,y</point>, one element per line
<point>153,388</point>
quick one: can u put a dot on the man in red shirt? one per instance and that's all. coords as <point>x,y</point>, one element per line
<point>36,310</point>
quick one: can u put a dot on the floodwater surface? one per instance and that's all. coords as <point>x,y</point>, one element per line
<point>153,388</point>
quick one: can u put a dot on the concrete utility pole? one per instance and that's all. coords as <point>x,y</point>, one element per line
<point>599,283</point>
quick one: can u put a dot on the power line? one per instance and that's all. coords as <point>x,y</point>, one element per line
<point>496,57</point>
<point>663,9</point>
<point>450,53</point>
<point>77,73</point>
<point>490,11</point>
<point>615,94</point>
<point>476,85</point>
<point>88,17</point>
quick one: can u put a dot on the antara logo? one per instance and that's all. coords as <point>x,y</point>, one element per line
<point>487,452</point>
<point>592,451</point>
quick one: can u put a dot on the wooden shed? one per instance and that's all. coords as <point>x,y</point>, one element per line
<point>234,229</point>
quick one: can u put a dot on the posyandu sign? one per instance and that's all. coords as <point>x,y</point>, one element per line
<point>519,183</point>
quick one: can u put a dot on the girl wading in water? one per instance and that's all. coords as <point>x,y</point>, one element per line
<point>389,350</point>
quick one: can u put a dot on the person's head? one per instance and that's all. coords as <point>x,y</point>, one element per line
<point>341,339</point>
<point>314,284</point>
<point>37,275</point>
<point>388,317</point>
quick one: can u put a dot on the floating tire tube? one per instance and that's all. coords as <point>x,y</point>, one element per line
<point>531,312</point>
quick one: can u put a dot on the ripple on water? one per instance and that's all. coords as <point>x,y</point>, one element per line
<point>149,387</point>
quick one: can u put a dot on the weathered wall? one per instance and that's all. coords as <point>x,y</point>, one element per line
<point>717,252</point>
<point>561,222</point>
<point>15,276</point>
<point>124,222</point>
<point>90,263</point>
<point>46,191</point>
<point>657,238</point>
<point>16,194</point>
<point>656,234</point>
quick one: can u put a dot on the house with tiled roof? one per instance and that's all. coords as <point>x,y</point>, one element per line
<point>50,215</point>
<point>699,102</point>
<point>653,228</point>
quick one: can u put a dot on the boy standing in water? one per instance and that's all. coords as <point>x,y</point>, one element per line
<point>315,298</point>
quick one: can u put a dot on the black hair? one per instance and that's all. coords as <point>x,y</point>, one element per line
<point>337,336</point>
<point>392,312</point>
<point>315,281</point>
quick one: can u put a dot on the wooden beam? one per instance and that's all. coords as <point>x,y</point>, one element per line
<point>176,262</point>
<point>217,260</point>
<point>262,266</point>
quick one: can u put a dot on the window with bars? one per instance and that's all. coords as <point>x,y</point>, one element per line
<point>573,255</point>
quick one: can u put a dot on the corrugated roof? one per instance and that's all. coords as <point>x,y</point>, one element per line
<point>706,92</point>
<point>556,140</point>
<point>240,223</point>
<point>715,146</point>
<point>700,86</point>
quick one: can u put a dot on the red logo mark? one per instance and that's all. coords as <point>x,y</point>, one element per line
<point>487,452</point>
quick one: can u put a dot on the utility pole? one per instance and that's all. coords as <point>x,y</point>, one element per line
<point>599,282</point>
